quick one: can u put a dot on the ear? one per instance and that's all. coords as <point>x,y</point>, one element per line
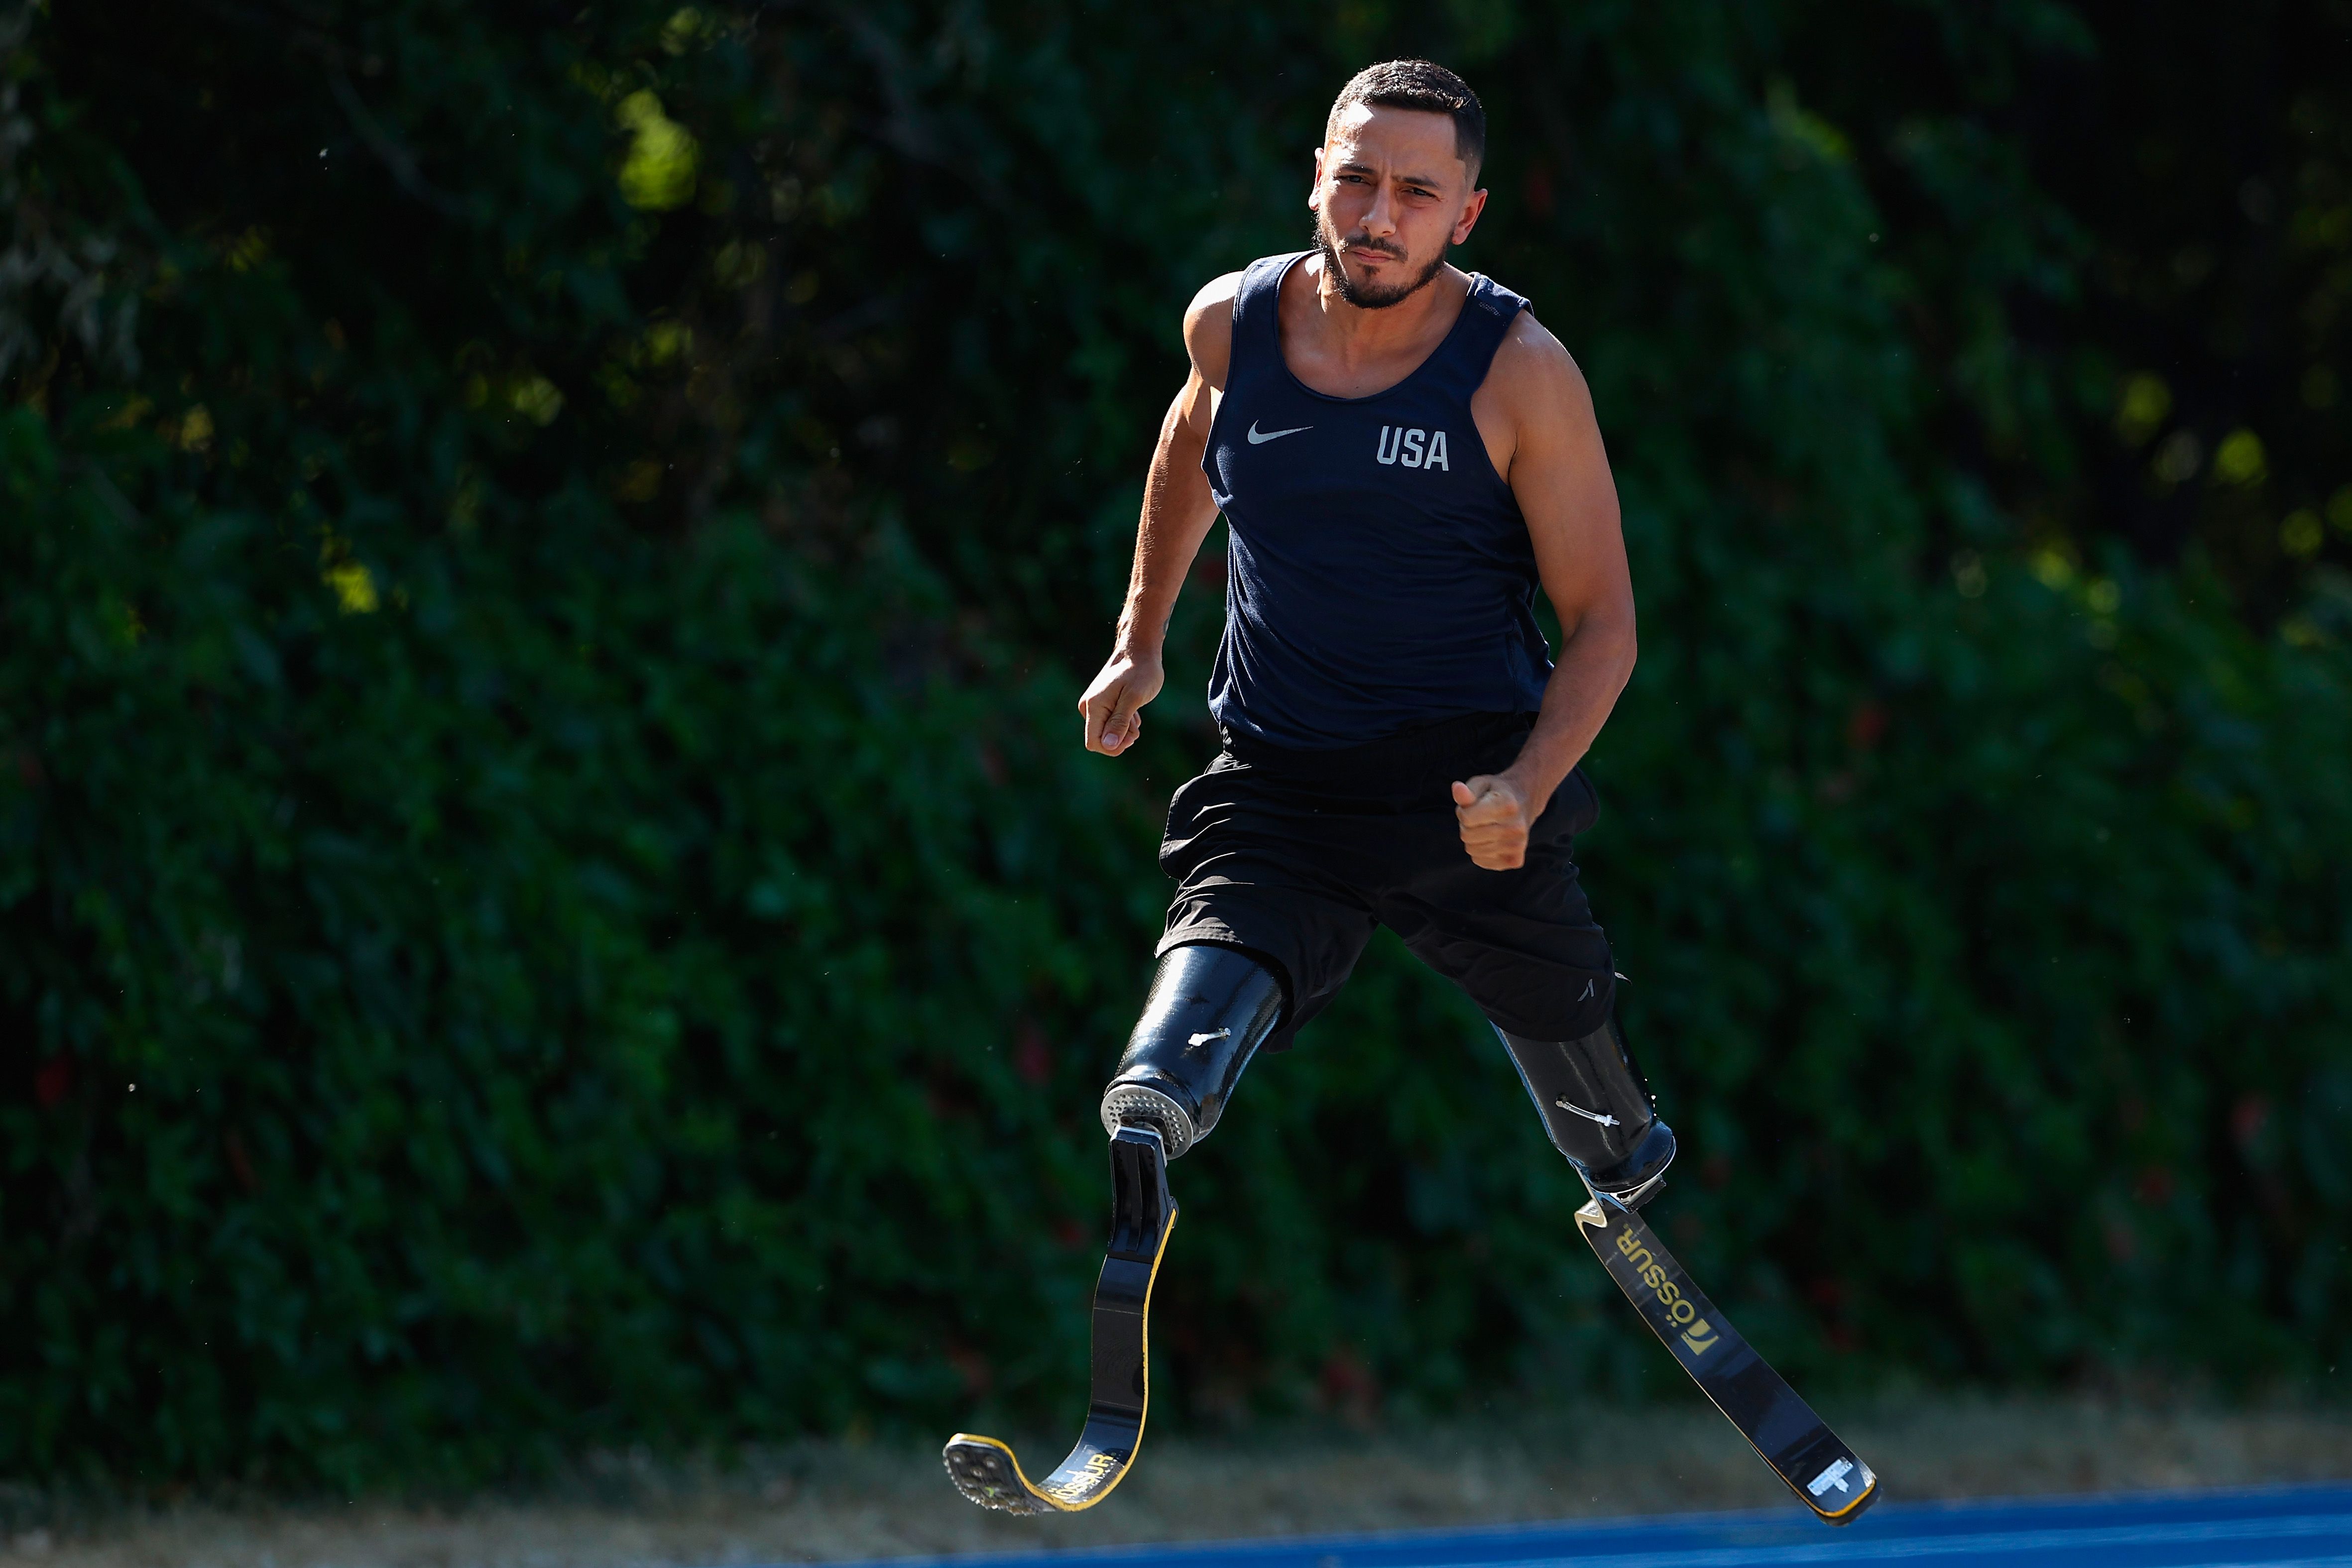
<point>1315,191</point>
<point>1469,218</point>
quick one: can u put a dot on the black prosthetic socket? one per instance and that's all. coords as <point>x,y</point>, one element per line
<point>1596,1106</point>
<point>1210,1009</point>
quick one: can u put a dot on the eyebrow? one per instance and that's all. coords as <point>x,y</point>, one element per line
<point>1354,167</point>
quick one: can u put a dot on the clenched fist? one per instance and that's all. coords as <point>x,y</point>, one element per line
<point>1496,815</point>
<point>1112,703</point>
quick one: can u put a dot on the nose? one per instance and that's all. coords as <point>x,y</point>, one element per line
<point>1380,218</point>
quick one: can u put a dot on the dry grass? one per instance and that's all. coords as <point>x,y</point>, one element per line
<point>828,1501</point>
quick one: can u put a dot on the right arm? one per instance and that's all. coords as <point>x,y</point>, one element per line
<point>1178,512</point>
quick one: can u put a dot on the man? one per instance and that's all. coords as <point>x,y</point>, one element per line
<point>1401,454</point>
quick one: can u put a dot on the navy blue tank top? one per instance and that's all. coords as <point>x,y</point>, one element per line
<point>1379,575</point>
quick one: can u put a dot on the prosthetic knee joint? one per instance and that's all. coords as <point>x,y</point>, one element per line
<point>1596,1106</point>
<point>1210,1009</point>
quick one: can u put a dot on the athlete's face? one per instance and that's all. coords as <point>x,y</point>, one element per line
<point>1391,194</point>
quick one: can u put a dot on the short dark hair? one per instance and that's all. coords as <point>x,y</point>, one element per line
<point>1426,86</point>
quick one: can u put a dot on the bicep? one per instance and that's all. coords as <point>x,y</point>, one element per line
<point>1559,475</point>
<point>1196,406</point>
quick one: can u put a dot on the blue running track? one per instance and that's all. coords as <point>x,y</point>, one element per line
<point>2310,1527</point>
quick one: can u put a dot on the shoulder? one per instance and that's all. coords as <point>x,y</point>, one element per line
<point>1212,309</point>
<point>1535,383</point>
<point>1208,326</point>
<point>1531,362</point>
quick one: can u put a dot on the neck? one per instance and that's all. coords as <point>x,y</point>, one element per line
<point>1358,333</point>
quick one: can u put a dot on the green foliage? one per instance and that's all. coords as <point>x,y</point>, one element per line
<point>2129,225</point>
<point>543,568</point>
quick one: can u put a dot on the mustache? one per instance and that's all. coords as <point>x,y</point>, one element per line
<point>1374,247</point>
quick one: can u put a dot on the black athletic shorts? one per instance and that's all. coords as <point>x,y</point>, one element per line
<point>1295,856</point>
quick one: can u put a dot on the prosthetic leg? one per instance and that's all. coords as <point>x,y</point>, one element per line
<point>1826,1475</point>
<point>1210,1008</point>
<point>1596,1108</point>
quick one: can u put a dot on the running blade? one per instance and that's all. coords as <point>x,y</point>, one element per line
<point>1143,1214</point>
<point>1827,1477</point>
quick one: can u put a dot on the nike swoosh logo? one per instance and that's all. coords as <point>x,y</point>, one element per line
<point>1258,440</point>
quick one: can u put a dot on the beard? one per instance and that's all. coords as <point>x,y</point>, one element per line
<point>1369,297</point>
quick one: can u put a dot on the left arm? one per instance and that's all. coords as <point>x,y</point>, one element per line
<point>1559,471</point>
